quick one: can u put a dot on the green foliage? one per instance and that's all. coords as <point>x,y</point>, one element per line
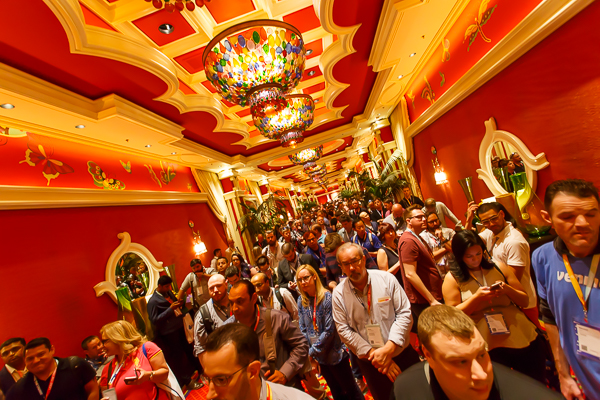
<point>389,183</point>
<point>307,205</point>
<point>347,194</point>
<point>262,218</point>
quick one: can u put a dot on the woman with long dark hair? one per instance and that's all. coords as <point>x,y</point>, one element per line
<point>238,261</point>
<point>490,293</point>
<point>387,256</point>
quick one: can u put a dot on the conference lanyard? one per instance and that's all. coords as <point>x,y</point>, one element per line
<point>37,384</point>
<point>590,282</point>
<point>257,318</point>
<point>114,375</point>
<point>315,316</point>
<point>368,308</point>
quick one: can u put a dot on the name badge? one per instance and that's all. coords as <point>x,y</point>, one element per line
<point>496,323</point>
<point>313,340</point>
<point>374,336</point>
<point>588,340</point>
<point>177,312</point>
<point>200,290</point>
<point>383,299</point>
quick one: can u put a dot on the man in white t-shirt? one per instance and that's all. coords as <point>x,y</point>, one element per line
<point>272,250</point>
<point>506,244</point>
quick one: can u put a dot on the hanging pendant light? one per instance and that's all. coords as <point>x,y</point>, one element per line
<point>288,124</point>
<point>255,63</point>
<point>309,155</point>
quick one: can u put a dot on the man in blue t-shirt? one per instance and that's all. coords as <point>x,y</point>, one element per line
<point>364,238</point>
<point>565,268</point>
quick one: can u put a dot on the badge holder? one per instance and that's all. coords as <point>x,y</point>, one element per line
<point>374,336</point>
<point>496,323</point>
<point>588,340</point>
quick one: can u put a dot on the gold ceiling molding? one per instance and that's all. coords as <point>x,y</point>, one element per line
<point>546,18</point>
<point>24,197</point>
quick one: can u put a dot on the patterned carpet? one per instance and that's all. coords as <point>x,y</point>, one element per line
<point>200,394</point>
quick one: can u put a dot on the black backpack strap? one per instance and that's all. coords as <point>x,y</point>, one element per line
<point>280,298</point>
<point>206,320</point>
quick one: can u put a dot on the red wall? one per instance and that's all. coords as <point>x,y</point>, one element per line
<point>549,98</point>
<point>53,258</point>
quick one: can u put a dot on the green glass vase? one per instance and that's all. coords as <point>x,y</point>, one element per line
<point>124,305</point>
<point>501,175</point>
<point>528,207</point>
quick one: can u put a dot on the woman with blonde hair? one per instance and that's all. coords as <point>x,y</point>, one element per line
<point>315,316</point>
<point>138,365</point>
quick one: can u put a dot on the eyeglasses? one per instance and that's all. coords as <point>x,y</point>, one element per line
<point>306,279</point>
<point>490,219</point>
<point>421,217</point>
<point>352,263</point>
<point>219,380</point>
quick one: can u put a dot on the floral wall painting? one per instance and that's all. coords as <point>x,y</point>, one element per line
<point>41,154</point>
<point>445,50</point>
<point>475,29</point>
<point>102,180</point>
<point>443,78</point>
<point>427,92</point>
<point>153,175</point>
<point>126,165</point>
<point>167,173</point>
<point>7,133</point>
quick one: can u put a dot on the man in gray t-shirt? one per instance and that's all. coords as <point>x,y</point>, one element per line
<point>197,280</point>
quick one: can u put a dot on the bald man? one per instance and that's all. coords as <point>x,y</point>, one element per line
<point>213,313</point>
<point>396,218</point>
<point>274,298</point>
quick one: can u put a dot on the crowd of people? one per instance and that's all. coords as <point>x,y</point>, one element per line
<point>382,296</point>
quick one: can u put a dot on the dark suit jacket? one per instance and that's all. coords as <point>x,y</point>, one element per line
<point>354,215</point>
<point>376,215</point>
<point>163,316</point>
<point>285,274</point>
<point>6,380</point>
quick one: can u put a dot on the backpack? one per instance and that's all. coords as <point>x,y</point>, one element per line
<point>280,299</point>
<point>355,238</point>
<point>207,321</point>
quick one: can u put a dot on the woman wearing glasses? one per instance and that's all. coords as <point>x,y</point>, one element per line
<point>317,325</point>
<point>490,293</point>
<point>137,367</point>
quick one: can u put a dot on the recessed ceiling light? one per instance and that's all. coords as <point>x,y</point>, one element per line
<point>311,73</point>
<point>7,106</point>
<point>309,52</point>
<point>148,145</point>
<point>317,100</point>
<point>413,54</point>
<point>167,29</point>
<point>79,126</point>
<point>401,76</point>
<point>173,153</point>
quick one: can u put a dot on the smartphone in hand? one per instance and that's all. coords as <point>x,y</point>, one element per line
<point>496,286</point>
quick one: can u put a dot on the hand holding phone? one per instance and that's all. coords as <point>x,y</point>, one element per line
<point>496,286</point>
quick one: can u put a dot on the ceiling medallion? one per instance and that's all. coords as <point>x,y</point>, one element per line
<point>290,123</point>
<point>307,155</point>
<point>255,63</point>
<point>178,5</point>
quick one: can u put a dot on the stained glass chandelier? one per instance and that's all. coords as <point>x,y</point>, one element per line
<point>317,169</point>
<point>307,156</point>
<point>255,63</point>
<point>288,124</point>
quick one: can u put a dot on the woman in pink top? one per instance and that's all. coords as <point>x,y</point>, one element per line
<point>132,373</point>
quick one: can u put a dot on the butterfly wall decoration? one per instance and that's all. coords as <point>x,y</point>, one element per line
<point>127,165</point>
<point>445,50</point>
<point>482,18</point>
<point>40,154</point>
<point>102,180</point>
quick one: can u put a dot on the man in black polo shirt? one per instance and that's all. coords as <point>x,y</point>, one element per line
<point>458,365</point>
<point>54,378</point>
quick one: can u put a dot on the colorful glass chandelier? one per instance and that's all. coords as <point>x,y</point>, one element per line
<point>317,169</point>
<point>288,124</point>
<point>307,156</point>
<point>179,5</point>
<point>255,63</point>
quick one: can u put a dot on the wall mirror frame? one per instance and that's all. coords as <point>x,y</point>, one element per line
<point>533,163</point>
<point>109,286</point>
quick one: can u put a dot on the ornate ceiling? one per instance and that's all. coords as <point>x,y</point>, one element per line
<point>105,64</point>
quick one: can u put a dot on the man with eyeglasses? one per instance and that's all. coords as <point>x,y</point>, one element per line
<point>506,244</point>
<point>291,348</point>
<point>232,368</point>
<point>275,298</point>
<point>286,271</point>
<point>422,280</point>
<point>372,316</point>
<point>212,314</point>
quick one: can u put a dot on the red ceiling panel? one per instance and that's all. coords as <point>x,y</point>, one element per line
<point>209,86</point>
<point>314,89</point>
<point>192,61</point>
<point>94,20</point>
<point>304,20</point>
<point>243,112</point>
<point>312,73</point>
<point>186,89</point>
<point>224,10</point>
<point>150,23</point>
<point>316,47</point>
